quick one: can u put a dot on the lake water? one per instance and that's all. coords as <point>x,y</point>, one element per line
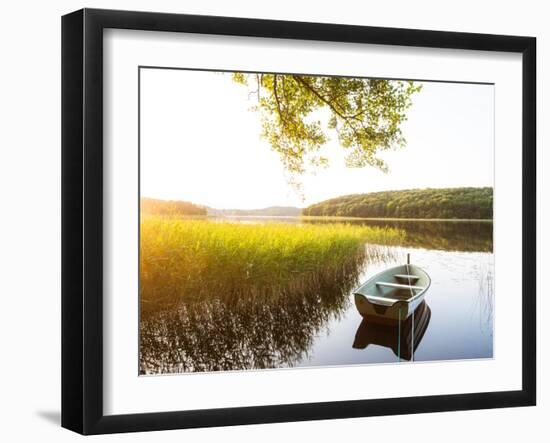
<point>455,321</point>
<point>457,316</point>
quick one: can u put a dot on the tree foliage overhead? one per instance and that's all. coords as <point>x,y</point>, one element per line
<point>365,113</point>
<point>457,203</point>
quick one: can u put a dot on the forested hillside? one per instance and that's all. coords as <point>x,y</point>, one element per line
<point>457,203</point>
<point>154,206</point>
<point>271,211</point>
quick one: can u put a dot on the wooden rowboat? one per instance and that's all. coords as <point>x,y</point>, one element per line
<point>393,294</point>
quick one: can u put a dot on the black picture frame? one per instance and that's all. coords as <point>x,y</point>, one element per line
<point>82,219</point>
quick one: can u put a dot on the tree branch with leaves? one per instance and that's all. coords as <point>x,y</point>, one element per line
<point>366,115</point>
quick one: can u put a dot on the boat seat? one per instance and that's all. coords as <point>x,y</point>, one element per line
<point>410,276</point>
<point>384,301</point>
<point>398,285</point>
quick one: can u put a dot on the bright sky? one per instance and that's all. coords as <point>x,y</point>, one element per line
<point>200,142</point>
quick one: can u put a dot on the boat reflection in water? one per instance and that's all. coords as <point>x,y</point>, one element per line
<point>402,337</point>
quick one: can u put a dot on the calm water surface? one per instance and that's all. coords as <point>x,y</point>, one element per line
<point>454,322</point>
<point>457,316</point>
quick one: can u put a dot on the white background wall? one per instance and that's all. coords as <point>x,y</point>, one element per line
<point>30,217</point>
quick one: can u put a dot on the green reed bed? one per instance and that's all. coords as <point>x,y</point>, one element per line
<point>195,260</point>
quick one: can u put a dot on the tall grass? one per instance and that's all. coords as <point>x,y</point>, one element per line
<point>230,296</point>
<point>195,260</point>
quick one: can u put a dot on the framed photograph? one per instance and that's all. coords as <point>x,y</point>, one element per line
<point>269,221</point>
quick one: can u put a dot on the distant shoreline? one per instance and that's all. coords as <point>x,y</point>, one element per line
<point>437,203</point>
<point>330,217</point>
<point>335,217</point>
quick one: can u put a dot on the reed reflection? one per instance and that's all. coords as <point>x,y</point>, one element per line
<point>241,332</point>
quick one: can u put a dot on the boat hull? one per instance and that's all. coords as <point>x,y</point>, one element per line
<point>387,298</point>
<point>386,314</point>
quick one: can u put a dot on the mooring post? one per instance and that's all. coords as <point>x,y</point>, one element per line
<point>408,258</point>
